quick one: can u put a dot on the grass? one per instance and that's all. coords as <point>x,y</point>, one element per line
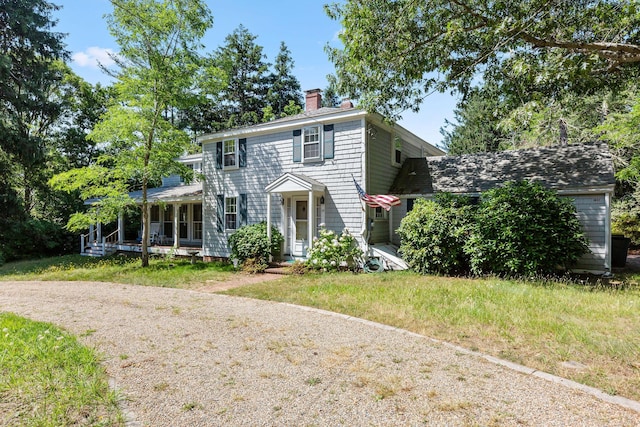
<point>539,325</point>
<point>178,273</point>
<point>48,379</point>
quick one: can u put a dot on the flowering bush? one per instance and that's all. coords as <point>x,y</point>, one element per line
<point>331,252</point>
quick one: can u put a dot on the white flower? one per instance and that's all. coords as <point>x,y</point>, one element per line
<point>315,261</point>
<point>333,263</point>
<point>324,261</point>
<point>323,250</point>
<point>321,225</point>
<point>336,243</point>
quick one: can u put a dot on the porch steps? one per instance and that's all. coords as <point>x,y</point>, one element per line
<point>388,254</point>
<point>281,268</point>
<point>96,251</point>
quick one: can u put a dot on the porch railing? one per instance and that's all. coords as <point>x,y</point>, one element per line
<point>87,239</point>
<point>110,240</point>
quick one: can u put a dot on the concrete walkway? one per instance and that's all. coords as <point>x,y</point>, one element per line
<point>184,358</point>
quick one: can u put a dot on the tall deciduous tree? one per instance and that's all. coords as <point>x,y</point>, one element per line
<point>397,52</point>
<point>157,63</point>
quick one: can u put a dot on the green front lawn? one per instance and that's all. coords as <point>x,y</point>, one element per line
<point>161,272</point>
<point>48,379</point>
<point>540,325</point>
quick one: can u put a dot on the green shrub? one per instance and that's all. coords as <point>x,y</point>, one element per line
<point>625,217</point>
<point>524,229</point>
<point>433,235</point>
<point>251,243</point>
<point>331,252</point>
<point>35,238</point>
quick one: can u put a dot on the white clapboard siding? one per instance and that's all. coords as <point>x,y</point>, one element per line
<point>269,157</point>
<point>592,212</point>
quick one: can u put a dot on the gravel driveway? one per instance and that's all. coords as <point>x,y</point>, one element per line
<point>185,358</point>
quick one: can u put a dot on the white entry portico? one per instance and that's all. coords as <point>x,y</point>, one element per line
<point>302,210</point>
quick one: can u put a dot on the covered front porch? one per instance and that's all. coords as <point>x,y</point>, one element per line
<point>175,222</point>
<point>302,211</point>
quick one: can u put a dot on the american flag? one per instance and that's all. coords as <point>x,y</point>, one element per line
<point>384,201</point>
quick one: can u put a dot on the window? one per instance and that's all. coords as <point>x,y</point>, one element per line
<point>183,226</point>
<point>167,228</point>
<point>311,142</point>
<point>230,213</point>
<point>197,222</point>
<point>155,213</point>
<point>396,152</point>
<point>410,204</point>
<point>380,213</point>
<point>230,154</point>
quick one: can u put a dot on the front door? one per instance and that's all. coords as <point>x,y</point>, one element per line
<point>299,227</point>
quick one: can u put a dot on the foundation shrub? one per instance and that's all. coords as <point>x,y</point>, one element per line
<point>251,243</point>
<point>434,232</point>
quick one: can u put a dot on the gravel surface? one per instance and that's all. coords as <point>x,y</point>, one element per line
<point>185,358</point>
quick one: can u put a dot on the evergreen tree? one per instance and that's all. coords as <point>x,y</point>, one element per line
<point>284,87</point>
<point>29,49</point>
<point>244,92</point>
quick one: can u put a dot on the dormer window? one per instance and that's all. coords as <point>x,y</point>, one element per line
<point>396,152</point>
<point>230,153</point>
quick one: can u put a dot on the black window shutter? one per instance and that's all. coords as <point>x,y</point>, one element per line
<point>220,212</point>
<point>219,155</point>
<point>297,145</point>
<point>242,148</point>
<point>243,209</point>
<point>328,142</point>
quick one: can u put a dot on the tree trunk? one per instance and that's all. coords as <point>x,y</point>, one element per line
<point>563,131</point>
<point>145,226</point>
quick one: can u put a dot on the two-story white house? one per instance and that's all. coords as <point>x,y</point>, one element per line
<point>297,173</point>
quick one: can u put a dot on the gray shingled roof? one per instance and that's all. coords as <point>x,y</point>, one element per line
<point>169,194</point>
<point>570,167</point>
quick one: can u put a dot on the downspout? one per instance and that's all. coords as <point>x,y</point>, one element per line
<point>607,234</point>
<point>364,177</point>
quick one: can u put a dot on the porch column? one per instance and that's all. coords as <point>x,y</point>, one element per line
<point>269,222</point>
<point>269,216</point>
<point>99,233</point>
<point>120,228</point>
<point>176,223</point>
<point>310,216</point>
<point>92,230</point>
<point>149,218</point>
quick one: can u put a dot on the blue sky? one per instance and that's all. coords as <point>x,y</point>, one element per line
<point>301,24</point>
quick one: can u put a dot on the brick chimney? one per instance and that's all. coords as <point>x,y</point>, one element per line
<point>313,100</point>
<point>346,104</point>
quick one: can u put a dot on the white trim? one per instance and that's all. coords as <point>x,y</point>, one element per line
<point>319,142</point>
<point>268,128</point>
<point>236,154</point>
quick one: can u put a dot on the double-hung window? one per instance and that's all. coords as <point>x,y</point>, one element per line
<point>230,154</point>
<point>311,143</point>
<point>230,213</point>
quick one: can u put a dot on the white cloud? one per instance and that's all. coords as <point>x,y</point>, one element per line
<point>92,56</point>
